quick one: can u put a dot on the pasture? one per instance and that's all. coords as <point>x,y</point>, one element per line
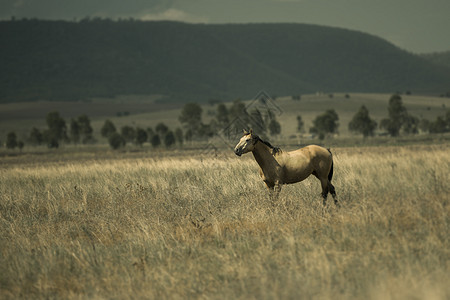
<point>176,227</point>
<point>145,112</point>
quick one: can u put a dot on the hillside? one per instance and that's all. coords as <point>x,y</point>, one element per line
<point>58,60</point>
<point>439,58</point>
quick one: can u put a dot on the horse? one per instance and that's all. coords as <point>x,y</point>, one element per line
<point>278,167</point>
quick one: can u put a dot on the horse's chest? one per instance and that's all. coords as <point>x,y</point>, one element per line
<point>272,175</point>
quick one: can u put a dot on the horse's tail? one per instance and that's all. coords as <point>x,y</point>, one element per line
<point>330,174</point>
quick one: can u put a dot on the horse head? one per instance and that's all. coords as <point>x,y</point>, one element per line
<point>246,143</point>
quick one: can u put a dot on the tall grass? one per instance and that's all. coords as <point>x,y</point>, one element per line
<point>197,227</point>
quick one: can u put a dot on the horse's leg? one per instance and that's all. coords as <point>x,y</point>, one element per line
<point>324,183</point>
<point>271,188</point>
<point>277,189</point>
<point>333,193</point>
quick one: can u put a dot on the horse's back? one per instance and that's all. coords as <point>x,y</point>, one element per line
<point>312,152</point>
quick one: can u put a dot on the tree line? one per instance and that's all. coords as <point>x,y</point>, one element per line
<point>80,131</point>
<point>233,117</point>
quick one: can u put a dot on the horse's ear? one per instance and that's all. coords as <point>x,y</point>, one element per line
<point>245,131</point>
<point>251,131</point>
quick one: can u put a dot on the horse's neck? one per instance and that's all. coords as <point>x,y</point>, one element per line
<point>263,156</point>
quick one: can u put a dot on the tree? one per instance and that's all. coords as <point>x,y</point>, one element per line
<point>440,125</point>
<point>84,124</point>
<point>274,127</point>
<point>141,136</point>
<point>325,123</point>
<point>116,141</point>
<point>300,123</point>
<point>128,133</point>
<point>362,123</point>
<point>191,116</point>
<point>238,109</point>
<point>161,129</point>
<point>50,139</point>
<point>108,129</point>
<point>36,137</point>
<point>155,140</point>
<point>179,136</point>
<point>410,124</point>
<point>399,119</point>
<point>150,133</point>
<point>222,115</point>
<point>56,129</point>
<point>256,121</point>
<point>169,139</point>
<point>397,114</point>
<point>74,131</point>
<point>11,140</point>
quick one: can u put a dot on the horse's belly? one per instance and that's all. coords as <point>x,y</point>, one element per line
<point>293,176</point>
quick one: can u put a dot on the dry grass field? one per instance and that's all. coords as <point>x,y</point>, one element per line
<point>202,227</point>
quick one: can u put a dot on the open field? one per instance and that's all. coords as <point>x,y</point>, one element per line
<point>145,112</point>
<point>177,227</point>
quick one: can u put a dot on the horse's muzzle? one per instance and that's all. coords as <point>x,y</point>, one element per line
<point>238,152</point>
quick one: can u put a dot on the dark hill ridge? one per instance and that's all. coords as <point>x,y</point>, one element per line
<point>438,58</point>
<point>61,60</point>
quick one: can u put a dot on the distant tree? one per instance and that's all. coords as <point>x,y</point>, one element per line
<point>362,123</point>
<point>222,116</point>
<point>397,114</point>
<point>274,127</point>
<point>116,141</point>
<point>86,131</point>
<point>155,140</point>
<point>108,129</point>
<point>36,138</point>
<point>191,116</point>
<point>11,140</point>
<point>424,125</point>
<point>441,124</point>
<point>300,123</point>
<point>50,139</point>
<point>179,136</point>
<point>150,133</point>
<point>141,136</point>
<point>256,121</point>
<point>128,133</point>
<point>410,124</point>
<point>74,131</point>
<point>325,123</point>
<point>56,129</point>
<point>296,97</point>
<point>161,129</point>
<point>20,145</point>
<point>399,118</point>
<point>238,109</point>
<point>205,131</point>
<point>188,135</point>
<point>169,139</point>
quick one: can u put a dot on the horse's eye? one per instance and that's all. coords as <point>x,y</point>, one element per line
<point>247,140</point>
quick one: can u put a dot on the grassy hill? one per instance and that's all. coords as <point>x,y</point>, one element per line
<point>64,61</point>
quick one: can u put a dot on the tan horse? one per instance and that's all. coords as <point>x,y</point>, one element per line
<point>279,167</point>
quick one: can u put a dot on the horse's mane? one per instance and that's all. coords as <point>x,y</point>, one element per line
<point>275,150</point>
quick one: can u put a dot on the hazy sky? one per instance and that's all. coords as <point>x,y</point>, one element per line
<point>415,25</point>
